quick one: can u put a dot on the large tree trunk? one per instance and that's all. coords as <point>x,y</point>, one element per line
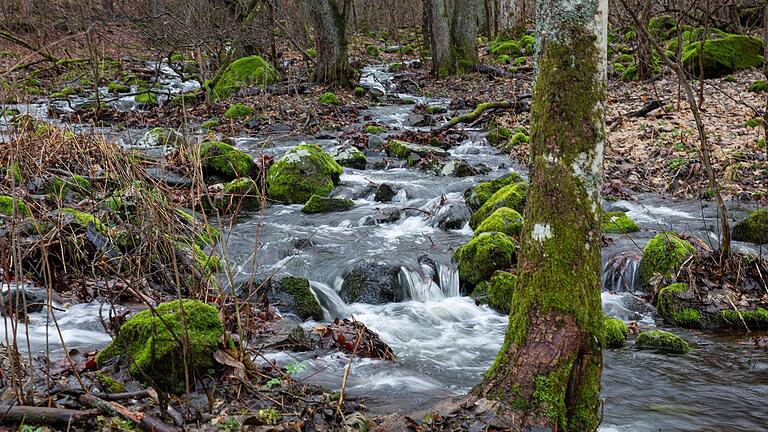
<point>548,370</point>
<point>464,33</point>
<point>453,35</point>
<point>440,38</point>
<point>329,22</point>
<point>644,67</point>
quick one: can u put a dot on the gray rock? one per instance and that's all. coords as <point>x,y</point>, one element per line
<point>451,216</point>
<point>384,193</point>
<point>372,283</point>
<point>386,214</point>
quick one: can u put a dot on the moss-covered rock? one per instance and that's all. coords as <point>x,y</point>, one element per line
<point>618,222</point>
<point>759,86</point>
<point>663,341</point>
<point>485,254</point>
<point>671,306</point>
<point>518,138</point>
<point>237,111</point>
<point>662,255</point>
<point>329,98</point>
<point>210,123</point>
<point>293,294</point>
<point>83,219</point>
<point>252,70</point>
<point>239,194</point>
<point>512,196</point>
<point>162,137</point>
<point>661,27</point>
<point>116,87</point>
<point>504,220</point>
<point>616,332</point>
<point>395,67</point>
<point>67,189</point>
<point>150,342</point>
<point>224,161</point>
<point>374,129</point>
<point>497,292</point>
<point>478,195</point>
<point>301,172</point>
<point>724,55</point>
<point>498,134</point>
<point>753,229</point>
<point>147,99</point>
<point>318,204</point>
<point>408,151</point>
<point>350,157</point>
<point>756,319</point>
<point>371,50</point>
<point>10,205</point>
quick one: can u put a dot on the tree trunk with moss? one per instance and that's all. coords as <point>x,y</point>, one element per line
<point>453,35</point>
<point>329,23</point>
<point>548,370</point>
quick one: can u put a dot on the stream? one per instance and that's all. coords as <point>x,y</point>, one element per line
<point>443,341</point>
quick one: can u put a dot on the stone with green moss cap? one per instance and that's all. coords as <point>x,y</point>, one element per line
<point>404,150</point>
<point>672,305</point>
<point>252,70</point>
<point>226,162</point>
<point>318,204</point>
<point>147,99</point>
<point>329,98</point>
<point>497,292</point>
<point>239,194</point>
<point>723,55</point>
<point>759,86</point>
<point>753,229</point>
<point>663,341</point>
<point>82,219</point>
<point>374,129</point>
<point>756,319</point>
<point>10,206</point>
<point>616,332</point>
<point>512,196</point>
<point>293,294</point>
<point>303,171</point>
<point>617,222</point>
<point>237,111</point>
<point>504,220</point>
<point>151,342</point>
<point>478,195</point>
<point>485,254</point>
<point>162,137</point>
<point>350,157</point>
<point>662,255</point>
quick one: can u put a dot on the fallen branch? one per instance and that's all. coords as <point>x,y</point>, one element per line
<point>32,415</point>
<point>114,409</point>
<point>481,109</point>
<point>647,109</point>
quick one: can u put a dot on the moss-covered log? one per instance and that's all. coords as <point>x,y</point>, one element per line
<point>548,370</point>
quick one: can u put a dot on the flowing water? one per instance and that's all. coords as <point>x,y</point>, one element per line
<point>442,340</point>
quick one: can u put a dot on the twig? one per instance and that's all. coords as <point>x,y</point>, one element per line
<point>340,405</point>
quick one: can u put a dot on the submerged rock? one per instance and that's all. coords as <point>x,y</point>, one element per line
<point>301,172</point>
<point>663,341</point>
<point>512,196</point>
<point>149,342</point>
<point>372,283</point>
<point>478,195</point>
<point>662,255</point>
<point>350,157</point>
<point>20,302</point>
<point>252,70</point>
<point>384,193</point>
<point>617,222</point>
<point>753,229</point>
<point>226,162</point>
<point>318,204</point>
<point>484,255</point>
<point>503,220</point>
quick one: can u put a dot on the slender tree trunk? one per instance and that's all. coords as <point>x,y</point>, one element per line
<point>548,370</point>
<point>332,65</point>
<point>644,69</point>
<point>765,72</point>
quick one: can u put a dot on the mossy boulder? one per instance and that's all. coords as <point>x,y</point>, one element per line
<point>512,196</point>
<point>329,98</point>
<point>147,99</point>
<point>618,222</point>
<point>616,332</point>
<point>237,111</point>
<point>210,123</point>
<point>671,305</point>
<point>724,55</point>
<point>303,171</point>
<point>504,220</point>
<point>413,152</point>
<point>756,319</point>
<point>753,229</point>
<point>497,292</point>
<point>10,205</point>
<point>759,86</point>
<point>252,70</point>
<point>499,134</point>
<point>116,87</point>
<point>663,255</point>
<point>67,189</point>
<point>82,220</point>
<point>150,342</point>
<point>318,204</point>
<point>518,138</point>
<point>226,162</point>
<point>663,341</point>
<point>293,295</point>
<point>164,137</point>
<point>484,255</point>
<point>478,195</point>
<point>350,157</point>
<point>374,129</point>
<point>372,282</point>
<point>239,194</point>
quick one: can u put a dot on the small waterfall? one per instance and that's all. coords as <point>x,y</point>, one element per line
<point>449,280</point>
<point>333,306</point>
<point>620,272</point>
<point>418,286</point>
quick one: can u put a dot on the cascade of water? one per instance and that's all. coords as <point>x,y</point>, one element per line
<point>333,306</point>
<point>449,280</point>
<point>620,273</point>
<point>418,286</point>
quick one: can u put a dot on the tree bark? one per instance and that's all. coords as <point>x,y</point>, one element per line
<point>440,38</point>
<point>644,69</point>
<point>548,370</point>
<point>453,35</point>
<point>329,22</point>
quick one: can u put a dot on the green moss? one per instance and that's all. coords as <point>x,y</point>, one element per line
<point>512,196</point>
<point>759,86</point>
<point>755,319</point>
<point>329,98</point>
<point>504,59</point>
<point>162,137</point>
<point>115,88</point>
<point>504,220</point>
<point>498,292</point>
<point>483,256</point>
<point>371,50</point>
<point>395,67</point>
<point>223,160</point>
<point>724,55</point>
<point>436,109</point>
<point>498,134</point>
<point>359,91</point>
<point>616,332</point>
<point>242,193</point>
<point>186,99</point>
<point>306,303</point>
<point>15,174</point>
<point>150,342</point>
<point>252,70</point>
<point>661,27</point>
<point>301,172</point>
<point>478,195</point>
<point>350,157</point>
<point>669,307</point>
<point>406,151</point>
<point>210,123</point>
<point>753,229</point>
<point>318,204</point>
<point>148,99</point>
<point>374,129</point>
<point>618,223</point>
<point>508,47</point>
<point>10,205</point>
<point>238,111</point>
<point>662,255</point>
<point>311,52</point>
<point>84,219</point>
<point>754,122</point>
<point>64,93</point>
<point>109,384</point>
<point>549,395</point>
<point>517,139</point>
<point>663,341</point>
<point>730,79</point>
